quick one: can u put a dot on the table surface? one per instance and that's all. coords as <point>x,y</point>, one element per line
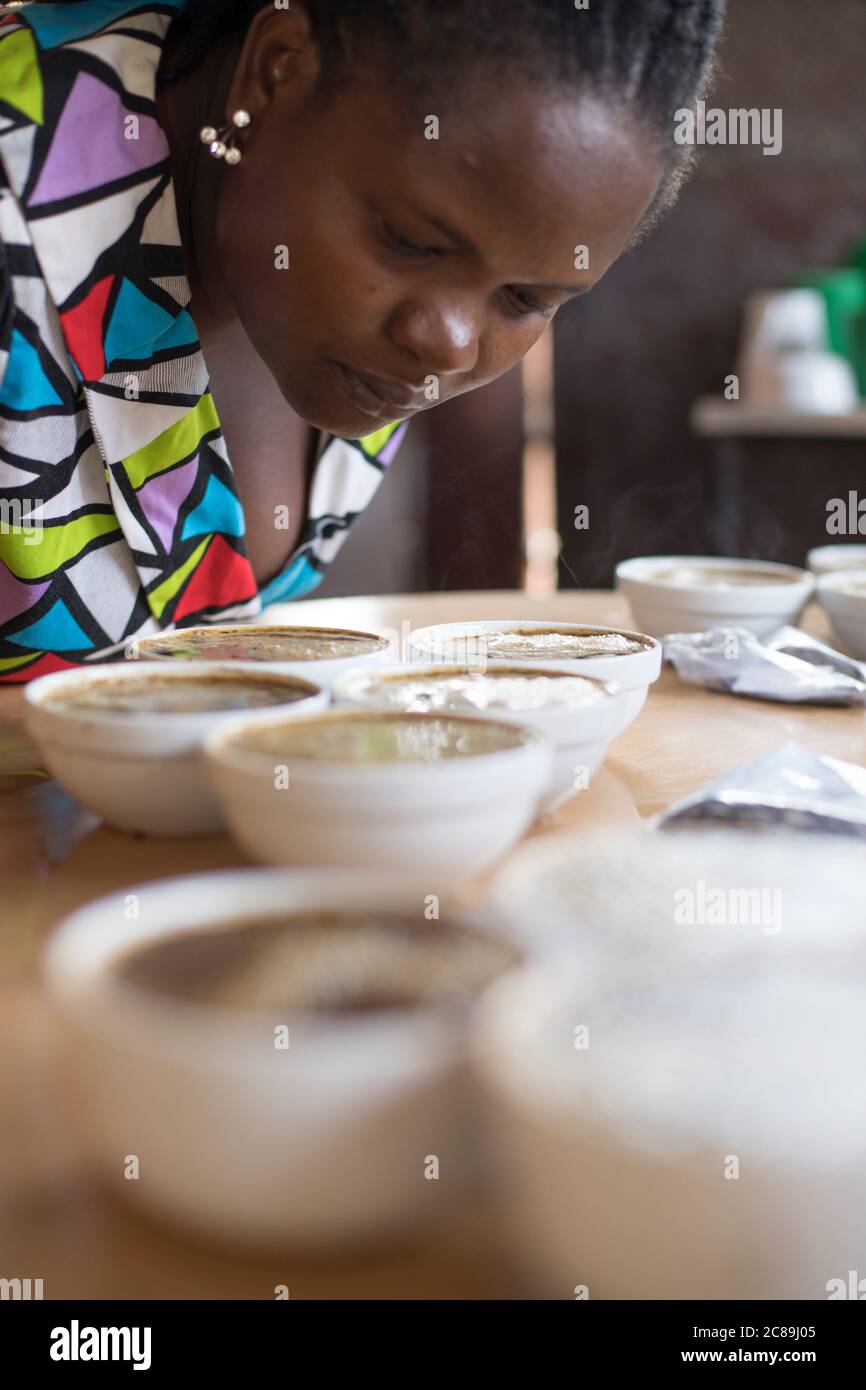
<point>57,1221</point>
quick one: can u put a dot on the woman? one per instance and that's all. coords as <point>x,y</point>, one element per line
<point>243,242</point>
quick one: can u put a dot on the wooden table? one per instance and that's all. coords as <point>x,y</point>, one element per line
<point>57,1222</point>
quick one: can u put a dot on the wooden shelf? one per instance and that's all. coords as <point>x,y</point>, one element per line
<point>715,418</point>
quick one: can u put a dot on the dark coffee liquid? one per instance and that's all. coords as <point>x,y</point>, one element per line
<point>263,644</point>
<point>133,696</point>
<point>381,737</point>
<point>324,962</point>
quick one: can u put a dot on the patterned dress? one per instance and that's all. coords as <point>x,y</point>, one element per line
<point>119,514</point>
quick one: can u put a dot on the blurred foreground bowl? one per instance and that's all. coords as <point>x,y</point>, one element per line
<point>326,1141</point>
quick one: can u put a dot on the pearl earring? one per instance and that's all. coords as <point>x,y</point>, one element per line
<point>221,143</point>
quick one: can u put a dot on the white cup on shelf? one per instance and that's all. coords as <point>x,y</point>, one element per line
<point>808,382</point>
<point>776,321</point>
<point>785,362</point>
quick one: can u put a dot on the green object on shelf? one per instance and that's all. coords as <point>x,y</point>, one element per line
<point>844,293</point>
<point>857,258</point>
<point>858,261</point>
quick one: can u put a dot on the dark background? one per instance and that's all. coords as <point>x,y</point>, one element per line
<point>658,332</point>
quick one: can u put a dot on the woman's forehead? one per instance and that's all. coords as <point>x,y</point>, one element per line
<point>538,172</point>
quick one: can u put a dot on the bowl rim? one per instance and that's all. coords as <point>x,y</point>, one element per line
<point>637,571</point>
<point>141,645</point>
<point>834,582</point>
<point>530,744</point>
<point>417,670</point>
<point>38,694</point>
<point>78,956</point>
<point>816,551</point>
<point>461,627</point>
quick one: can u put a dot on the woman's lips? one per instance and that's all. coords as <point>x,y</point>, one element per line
<point>375,396</point>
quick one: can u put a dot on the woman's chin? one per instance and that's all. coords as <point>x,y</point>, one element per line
<point>330,412</point>
<point>337,418</point>
<point>370,428</point>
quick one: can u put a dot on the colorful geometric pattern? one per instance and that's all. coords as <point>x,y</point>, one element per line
<point>119,513</point>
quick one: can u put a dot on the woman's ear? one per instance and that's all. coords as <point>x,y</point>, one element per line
<point>279,56</point>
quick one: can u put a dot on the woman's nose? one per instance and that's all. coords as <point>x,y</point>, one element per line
<point>443,337</point>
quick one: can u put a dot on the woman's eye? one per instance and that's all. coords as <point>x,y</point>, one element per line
<point>526,304</point>
<point>404,246</point>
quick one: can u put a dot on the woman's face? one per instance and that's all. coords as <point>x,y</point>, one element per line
<point>418,268</point>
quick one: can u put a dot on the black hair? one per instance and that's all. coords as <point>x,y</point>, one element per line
<point>653,55</point>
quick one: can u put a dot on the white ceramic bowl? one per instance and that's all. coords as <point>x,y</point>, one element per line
<point>142,772</point>
<point>323,1142</point>
<point>632,902</point>
<point>661,606</point>
<point>825,559</point>
<point>617,1140</point>
<point>842,595</point>
<point>633,672</point>
<point>451,817</point>
<point>679,1138</point>
<point>580,733</point>
<point>322,670</point>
